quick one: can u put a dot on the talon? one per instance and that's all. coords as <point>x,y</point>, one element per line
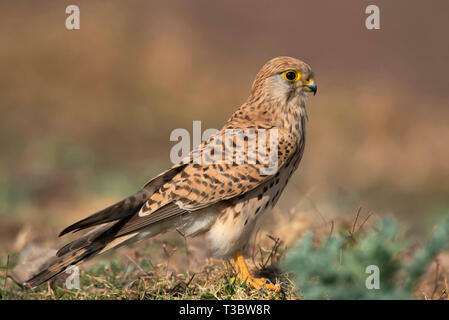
<point>243,275</point>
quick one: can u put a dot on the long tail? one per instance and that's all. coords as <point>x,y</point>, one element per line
<point>93,243</point>
<point>115,225</point>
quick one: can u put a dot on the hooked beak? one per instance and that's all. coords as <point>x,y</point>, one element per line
<point>310,86</point>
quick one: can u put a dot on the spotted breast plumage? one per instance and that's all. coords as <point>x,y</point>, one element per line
<point>222,188</point>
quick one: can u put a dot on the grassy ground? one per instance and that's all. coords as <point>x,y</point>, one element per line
<point>129,274</point>
<point>165,269</point>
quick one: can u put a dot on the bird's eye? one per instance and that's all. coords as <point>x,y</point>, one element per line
<point>291,75</point>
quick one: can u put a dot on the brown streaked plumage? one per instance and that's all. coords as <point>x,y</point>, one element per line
<point>221,199</point>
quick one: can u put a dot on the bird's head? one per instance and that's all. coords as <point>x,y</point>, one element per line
<point>284,78</point>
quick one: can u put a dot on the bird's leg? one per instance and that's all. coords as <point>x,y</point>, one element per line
<point>244,275</point>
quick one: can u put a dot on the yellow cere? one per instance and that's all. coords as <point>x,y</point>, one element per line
<point>309,81</point>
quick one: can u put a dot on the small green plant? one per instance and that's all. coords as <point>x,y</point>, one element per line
<point>337,269</point>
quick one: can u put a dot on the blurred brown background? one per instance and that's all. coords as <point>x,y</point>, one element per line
<point>86,115</point>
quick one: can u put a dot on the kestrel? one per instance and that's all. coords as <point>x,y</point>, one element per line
<point>221,199</point>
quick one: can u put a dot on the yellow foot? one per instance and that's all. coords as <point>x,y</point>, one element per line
<point>259,283</point>
<point>243,275</point>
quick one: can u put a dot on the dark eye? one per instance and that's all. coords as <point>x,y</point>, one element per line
<point>291,75</point>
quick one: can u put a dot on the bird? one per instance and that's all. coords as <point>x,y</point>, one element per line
<point>221,200</point>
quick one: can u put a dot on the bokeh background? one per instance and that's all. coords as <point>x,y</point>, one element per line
<point>85,115</point>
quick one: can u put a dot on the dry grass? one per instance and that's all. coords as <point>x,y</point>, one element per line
<point>129,274</point>
<point>168,267</point>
